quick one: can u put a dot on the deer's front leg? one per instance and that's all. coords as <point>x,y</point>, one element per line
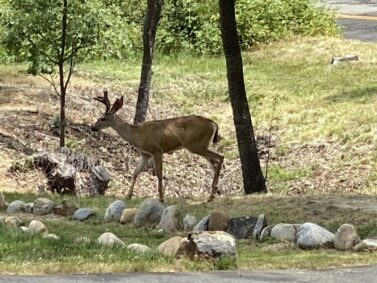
<point>158,167</point>
<point>142,162</point>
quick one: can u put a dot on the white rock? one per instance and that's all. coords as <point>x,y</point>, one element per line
<point>189,222</point>
<point>284,232</point>
<point>109,239</point>
<point>311,236</point>
<point>170,219</point>
<point>138,248</point>
<point>37,227</point>
<point>346,238</point>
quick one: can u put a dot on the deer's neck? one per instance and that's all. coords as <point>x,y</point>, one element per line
<point>125,130</point>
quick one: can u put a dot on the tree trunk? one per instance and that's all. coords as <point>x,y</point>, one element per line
<point>253,179</point>
<point>151,21</point>
<point>61,74</point>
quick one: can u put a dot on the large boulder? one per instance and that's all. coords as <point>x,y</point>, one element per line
<point>128,215</point>
<point>242,227</point>
<point>202,225</point>
<point>189,222</point>
<point>311,236</point>
<point>346,238</point>
<point>109,239</point>
<point>170,247</point>
<point>114,211</point>
<point>43,206</point>
<point>210,245</point>
<point>170,219</point>
<point>149,213</point>
<point>16,206</point>
<point>82,214</point>
<point>218,221</point>
<point>284,232</point>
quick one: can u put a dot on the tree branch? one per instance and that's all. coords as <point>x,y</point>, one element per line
<point>51,82</point>
<point>41,51</point>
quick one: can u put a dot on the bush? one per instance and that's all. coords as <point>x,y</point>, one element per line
<point>193,25</point>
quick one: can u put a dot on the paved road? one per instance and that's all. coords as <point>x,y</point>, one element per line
<point>358,18</point>
<point>344,275</point>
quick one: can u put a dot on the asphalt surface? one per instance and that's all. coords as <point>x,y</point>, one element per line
<point>357,17</point>
<point>343,275</point>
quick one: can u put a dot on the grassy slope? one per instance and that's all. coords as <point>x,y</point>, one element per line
<point>309,105</point>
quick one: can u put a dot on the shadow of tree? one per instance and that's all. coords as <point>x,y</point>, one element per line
<point>356,95</point>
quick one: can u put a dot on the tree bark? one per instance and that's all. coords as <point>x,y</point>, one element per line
<point>61,74</point>
<point>253,179</point>
<point>151,21</point>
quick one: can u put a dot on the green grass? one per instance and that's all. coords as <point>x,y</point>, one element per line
<point>26,254</point>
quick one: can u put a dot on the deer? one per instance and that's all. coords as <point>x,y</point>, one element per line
<point>154,138</point>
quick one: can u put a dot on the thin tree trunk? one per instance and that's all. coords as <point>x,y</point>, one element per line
<point>61,74</point>
<point>253,179</point>
<point>151,21</point>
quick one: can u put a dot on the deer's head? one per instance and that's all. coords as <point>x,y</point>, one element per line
<point>107,119</point>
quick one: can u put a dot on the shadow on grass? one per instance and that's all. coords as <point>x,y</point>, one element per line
<point>356,95</point>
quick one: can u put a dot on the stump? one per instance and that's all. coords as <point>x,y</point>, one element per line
<point>75,173</point>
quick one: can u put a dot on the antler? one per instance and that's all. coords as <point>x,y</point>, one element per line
<point>117,105</point>
<point>105,100</point>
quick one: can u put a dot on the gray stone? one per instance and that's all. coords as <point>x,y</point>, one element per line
<point>149,213</point>
<point>346,238</point>
<point>284,232</point>
<point>43,206</point>
<point>37,227</point>
<point>16,206</point>
<point>170,247</point>
<point>214,244</point>
<point>367,244</point>
<point>261,224</point>
<point>114,211</point>
<point>82,214</point>
<point>218,221</point>
<point>128,215</point>
<point>311,236</point>
<point>138,248</point>
<point>202,225</point>
<point>170,218</point>
<point>242,227</point>
<point>266,232</point>
<point>109,239</point>
<point>189,221</point>
<point>29,207</point>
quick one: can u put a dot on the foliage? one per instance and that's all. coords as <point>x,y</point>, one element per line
<point>190,25</point>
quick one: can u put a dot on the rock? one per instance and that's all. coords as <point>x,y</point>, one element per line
<point>189,221</point>
<point>16,206</point>
<point>114,211</point>
<point>311,236</point>
<point>242,227</point>
<point>25,229</point>
<point>346,238</point>
<point>214,244</point>
<point>29,207</point>
<point>82,214</point>
<point>218,221</point>
<point>170,219</point>
<point>367,244</point>
<point>202,225</point>
<point>13,222</point>
<point>261,224</point>
<point>138,248</point>
<point>37,227</point>
<point>149,213</point>
<point>51,236</point>
<point>170,247</point>
<point>80,240</point>
<point>266,232</point>
<point>284,232</point>
<point>67,208</point>
<point>128,215</point>
<point>43,206</point>
<point>109,239</point>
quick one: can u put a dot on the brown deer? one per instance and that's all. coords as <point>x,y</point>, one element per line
<point>154,138</point>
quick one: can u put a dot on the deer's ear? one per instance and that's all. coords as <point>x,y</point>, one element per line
<point>117,105</point>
